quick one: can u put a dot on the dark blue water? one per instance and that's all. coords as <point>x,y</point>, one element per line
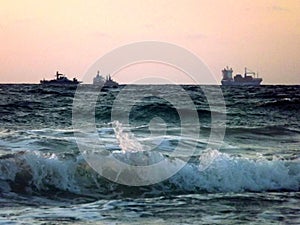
<point>251,175</point>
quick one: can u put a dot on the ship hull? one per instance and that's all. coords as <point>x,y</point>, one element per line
<point>45,82</point>
<point>240,83</point>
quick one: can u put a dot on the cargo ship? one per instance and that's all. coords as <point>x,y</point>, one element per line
<point>248,79</point>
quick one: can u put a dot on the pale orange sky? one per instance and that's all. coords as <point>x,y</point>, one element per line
<point>39,37</point>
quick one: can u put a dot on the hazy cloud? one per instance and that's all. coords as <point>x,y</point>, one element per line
<point>100,34</point>
<point>27,20</point>
<point>279,8</point>
<point>148,26</point>
<point>196,36</point>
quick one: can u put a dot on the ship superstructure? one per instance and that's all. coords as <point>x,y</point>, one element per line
<point>107,82</point>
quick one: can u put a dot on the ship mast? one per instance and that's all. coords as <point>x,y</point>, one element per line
<point>248,72</point>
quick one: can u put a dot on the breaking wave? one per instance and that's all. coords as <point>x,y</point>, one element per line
<point>37,173</point>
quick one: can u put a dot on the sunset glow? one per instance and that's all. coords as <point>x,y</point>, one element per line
<point>39,37</point>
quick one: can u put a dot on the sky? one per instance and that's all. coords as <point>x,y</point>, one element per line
<point>37,38</point>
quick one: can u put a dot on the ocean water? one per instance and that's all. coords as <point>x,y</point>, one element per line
<point>251,175</point>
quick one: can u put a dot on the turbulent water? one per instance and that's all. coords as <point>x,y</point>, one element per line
<point>252,175</point>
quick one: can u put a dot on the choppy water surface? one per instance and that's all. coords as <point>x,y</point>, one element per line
<point>253,178</point>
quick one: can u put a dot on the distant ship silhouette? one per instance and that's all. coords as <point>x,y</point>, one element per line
<point>238,79</point>
<point>61,79</point>
<point>107,82</point>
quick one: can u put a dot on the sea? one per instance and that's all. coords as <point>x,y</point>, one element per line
<point>248,173</point>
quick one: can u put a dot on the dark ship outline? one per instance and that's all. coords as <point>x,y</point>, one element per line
<point>238,79</point>
<point>61,79</point>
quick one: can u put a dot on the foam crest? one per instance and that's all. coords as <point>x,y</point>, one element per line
<point>226,173</point>
<point>36,172</point>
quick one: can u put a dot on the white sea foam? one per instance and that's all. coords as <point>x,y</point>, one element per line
<point>224,174</point>
<point>236,174</point>
<point>127,141</point>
